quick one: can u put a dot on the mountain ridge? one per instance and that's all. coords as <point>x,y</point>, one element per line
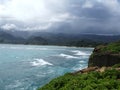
<point>45,38</point>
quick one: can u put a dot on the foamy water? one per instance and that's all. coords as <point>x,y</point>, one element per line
<point>68,56</point>
<point>26,67</point>
<point>78,52</point>
<point>39,62</point>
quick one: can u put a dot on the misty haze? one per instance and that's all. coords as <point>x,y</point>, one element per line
<point>59,45</point>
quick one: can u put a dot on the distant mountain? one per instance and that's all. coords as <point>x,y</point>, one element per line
<point>77,39</point>
<point>22,34</point>
<point>8,38</point>
<point>36,41</point>
<point>46,38</point>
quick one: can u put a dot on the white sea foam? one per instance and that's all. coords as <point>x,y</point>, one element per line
<point>15,84</point>
<point>40,62</point>
<point>28,48</point>
<point>82,61</point>
<point>77,52</point>
<point>84,56</point>
<point>15,48</point>
<point>78,68</point>
<point>68,56</point>
<point>2,47</point>
<point>16,57</point>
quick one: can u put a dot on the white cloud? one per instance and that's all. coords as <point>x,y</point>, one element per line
<point>59,18</point>
<point>43,27</point>
<point>88,4</point>
<point>112,5</point>
<point>62,17</point>
<point>44,13</point>
<point>2,9</point>
<point>24,10</point>
<point>9,26</point>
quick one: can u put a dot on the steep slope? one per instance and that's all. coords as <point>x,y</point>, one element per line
<point>106,55</point>
<point>92,78</point>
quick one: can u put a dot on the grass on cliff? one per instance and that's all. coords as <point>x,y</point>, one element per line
<point>112,48</point>
<point>108,80</point>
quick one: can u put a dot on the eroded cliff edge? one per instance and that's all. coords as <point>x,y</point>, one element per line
<point>108,55</point>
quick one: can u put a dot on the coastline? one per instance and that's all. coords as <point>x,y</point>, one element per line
<point>103,72</point>
<point>25,56</point>
<point>45,45</point>
<point>92,78</point>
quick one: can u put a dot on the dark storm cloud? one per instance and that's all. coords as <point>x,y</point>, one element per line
<point>69,16</point>
<point>96,17</point>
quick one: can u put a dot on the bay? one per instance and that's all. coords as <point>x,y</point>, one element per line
<point>27,67</point>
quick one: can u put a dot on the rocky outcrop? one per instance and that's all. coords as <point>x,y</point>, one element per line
<point>105,55</point>
<point>86,70</point>
<point>97,69</point>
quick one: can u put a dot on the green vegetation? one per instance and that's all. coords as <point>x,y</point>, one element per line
<point>107,80</point>
<point>85,43</point>
<point>116,66</point>
<point>110,48</point>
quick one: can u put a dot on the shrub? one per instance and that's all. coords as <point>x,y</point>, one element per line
<point>107,80</point>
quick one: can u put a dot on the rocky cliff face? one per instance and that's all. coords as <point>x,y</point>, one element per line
<point>105,55</point>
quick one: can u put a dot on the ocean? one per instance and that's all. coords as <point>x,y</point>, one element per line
<point>27,67</point>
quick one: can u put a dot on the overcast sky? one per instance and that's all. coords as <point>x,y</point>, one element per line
<point>78,16</point>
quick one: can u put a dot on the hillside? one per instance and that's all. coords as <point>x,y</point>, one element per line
<point>92,78</point>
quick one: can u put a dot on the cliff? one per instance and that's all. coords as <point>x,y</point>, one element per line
<point>108,55</point>
<point>100,75</point>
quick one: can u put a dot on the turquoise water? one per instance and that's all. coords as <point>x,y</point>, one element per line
<point>27,67</point>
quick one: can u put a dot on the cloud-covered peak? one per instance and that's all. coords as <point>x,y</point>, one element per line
<point>9,27</point>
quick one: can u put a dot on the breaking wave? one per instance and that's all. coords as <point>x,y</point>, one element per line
<point>40,62</point>
<point>26,48</point>
<point>77,52</point>
<point>68,56</point>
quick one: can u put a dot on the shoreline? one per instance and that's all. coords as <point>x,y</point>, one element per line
<point>45,45</point>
